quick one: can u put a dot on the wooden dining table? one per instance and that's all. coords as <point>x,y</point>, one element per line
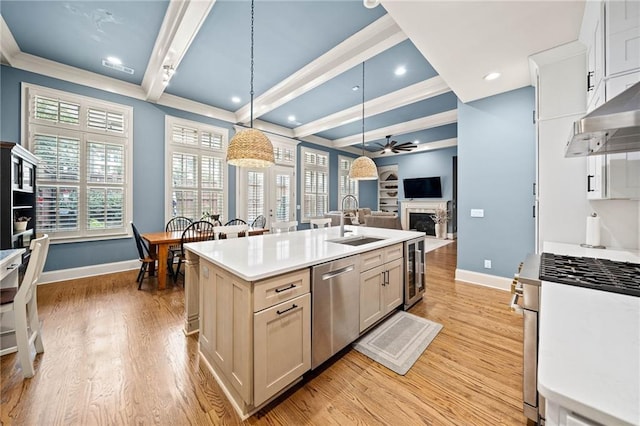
<point>159,243</point>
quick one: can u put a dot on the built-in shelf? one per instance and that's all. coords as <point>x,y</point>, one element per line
<point>22,207</point>
<point>388,197</point>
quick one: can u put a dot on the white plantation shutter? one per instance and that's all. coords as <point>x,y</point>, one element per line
<point>197,163</point>
<point>346,186</point>
<point>315,172</point>
<point>283,191</point>
<point>83,179</point>
<point>255,195</point>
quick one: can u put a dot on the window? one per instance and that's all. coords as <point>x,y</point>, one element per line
<point>346,186</point>
<point>196,169</point>
<point>315,183</point>
<point>84,184</point>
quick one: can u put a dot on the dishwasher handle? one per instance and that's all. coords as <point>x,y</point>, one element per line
<point>340,271</point>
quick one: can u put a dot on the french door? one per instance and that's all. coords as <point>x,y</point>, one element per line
<point>270,192</point>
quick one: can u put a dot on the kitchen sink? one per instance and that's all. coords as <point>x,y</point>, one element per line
<point>356,241</point>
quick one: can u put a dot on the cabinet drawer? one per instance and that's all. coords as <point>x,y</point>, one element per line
<point>393,252</point>
<point>371,259</point>
<point>278,289</point>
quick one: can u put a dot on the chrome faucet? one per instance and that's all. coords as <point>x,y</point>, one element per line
<point>344,200</point>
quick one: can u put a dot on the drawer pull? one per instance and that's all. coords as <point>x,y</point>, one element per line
<point>280,290</point>
<point>287,310</point>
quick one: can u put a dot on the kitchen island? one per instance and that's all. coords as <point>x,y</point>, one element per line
<point>250,300</point>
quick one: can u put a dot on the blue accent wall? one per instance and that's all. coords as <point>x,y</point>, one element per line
<point>148,165</point>
<point>496,171</point>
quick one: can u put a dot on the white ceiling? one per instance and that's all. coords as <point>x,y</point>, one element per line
<point>466,40</point>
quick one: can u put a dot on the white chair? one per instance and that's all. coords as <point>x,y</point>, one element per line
<point>278,227</point>
<point>230,231</point>
<point>23,302</point>
<point>320,223</point>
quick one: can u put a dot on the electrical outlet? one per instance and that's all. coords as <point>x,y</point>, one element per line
<point>487,264</point>
<point>477,212</point>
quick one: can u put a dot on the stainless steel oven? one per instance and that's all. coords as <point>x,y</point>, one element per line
<point>526,300</point>
<point>414,277</point>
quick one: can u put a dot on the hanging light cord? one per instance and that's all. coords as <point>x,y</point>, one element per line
<point>251,93</point>
<point>363,108</point>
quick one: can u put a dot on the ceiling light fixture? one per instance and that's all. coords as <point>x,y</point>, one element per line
<point>235,99</point>
<point>291,118</point>
<point>250,147</point>
<point>370,4</point>
<point>492,76</point>
<point>400,70</point>
<point>114,60</point>
<point>363,167</point>
<point>355,88</point>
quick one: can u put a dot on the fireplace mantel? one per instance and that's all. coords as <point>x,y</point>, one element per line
<point>413,206</point>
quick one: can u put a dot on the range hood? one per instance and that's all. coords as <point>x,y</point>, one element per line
<point>612,127</point>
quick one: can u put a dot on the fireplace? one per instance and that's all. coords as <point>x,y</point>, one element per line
<point>422,222</point>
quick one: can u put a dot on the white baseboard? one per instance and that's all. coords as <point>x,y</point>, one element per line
<point>88,271</point>
<point>486,280</point>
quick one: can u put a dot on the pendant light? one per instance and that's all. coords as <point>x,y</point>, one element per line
<point>250,147</point>
<point>363,167</point>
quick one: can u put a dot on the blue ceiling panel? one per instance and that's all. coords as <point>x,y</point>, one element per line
<point>420,138</point>
<point>437,104</point>
<point>337,94</point>
<point>82,33</point>
<point>288,35</point>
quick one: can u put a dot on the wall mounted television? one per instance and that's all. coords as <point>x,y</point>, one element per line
<point>424,187</point>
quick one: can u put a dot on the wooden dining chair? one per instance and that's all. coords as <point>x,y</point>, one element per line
<point>259,222</point>
<point>320,222</point>
<point>178,223</point>
<point>286,226</point>
<point>144,256</point>
<point>231,231</point>
<point>198,231</point>
<point>235,222</point>
<point>22,301</point>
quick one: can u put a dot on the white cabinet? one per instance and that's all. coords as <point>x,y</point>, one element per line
<point>596,177</point>
<point>623,36</point>
<point>592,36</point>
<point>388,184</point>
<point>614,176</point>
<point>381,284</point>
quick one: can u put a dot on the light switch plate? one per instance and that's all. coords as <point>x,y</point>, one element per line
<point>477,212</point>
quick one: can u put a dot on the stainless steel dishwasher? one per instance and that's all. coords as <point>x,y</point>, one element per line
<point>335,298</point>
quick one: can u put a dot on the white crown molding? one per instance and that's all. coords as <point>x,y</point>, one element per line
<point>416,125</point>
<point>415,93</point>
<point>196,107</point>
<point>8,47</point>
<point>181,24</point>
<point>423,147</point>
<point>367,43</point>
<point>88,271</point>
<point>485,280</point>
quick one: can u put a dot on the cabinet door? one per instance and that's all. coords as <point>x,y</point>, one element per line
<point>393,288</point>
<point>282,346</point>
<point>28,177</point>
<point>623,175</point>
<point>371,288</point>
<point>617,85</point>
<point>595,177</point>
<point>623,36</point>
<point>595,49</point>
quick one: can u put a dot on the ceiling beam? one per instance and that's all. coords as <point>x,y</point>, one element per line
<point>8,47</point>
<point>417,92</point>
<point>435,120</point>
<point>423,147</point>
<point>365,44</point>
<point>180,26</point>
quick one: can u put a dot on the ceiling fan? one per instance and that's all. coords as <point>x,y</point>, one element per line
<point>393,146</point>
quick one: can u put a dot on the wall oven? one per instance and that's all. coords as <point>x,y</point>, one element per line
<point>414,274</point>
<point>526,300</point>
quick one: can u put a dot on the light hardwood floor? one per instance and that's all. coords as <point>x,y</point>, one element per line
<point>116,355</point>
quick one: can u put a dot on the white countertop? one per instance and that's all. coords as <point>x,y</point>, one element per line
<point>262,256</point>
<point>7,258</point>
<point>589,353</point>
<point>619,254</point>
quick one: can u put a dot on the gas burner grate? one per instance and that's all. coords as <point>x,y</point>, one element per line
<point>597,274</point>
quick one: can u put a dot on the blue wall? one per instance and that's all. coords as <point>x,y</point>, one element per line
<point>496,171</point>
<point>148,165</point>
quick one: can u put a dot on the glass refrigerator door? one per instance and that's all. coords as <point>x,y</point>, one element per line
<point>410,275</point>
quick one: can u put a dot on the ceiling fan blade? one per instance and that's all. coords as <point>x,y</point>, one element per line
<point>407,145</point>
<point>393,143</point>
<point>380,145</point>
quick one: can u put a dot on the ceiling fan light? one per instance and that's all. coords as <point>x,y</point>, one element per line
<point>250,148</point>
<point>363,168</point>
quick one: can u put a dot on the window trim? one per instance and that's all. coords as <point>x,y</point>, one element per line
<point>170,121</point>
<point>85,134</point>
<point>303,169</point>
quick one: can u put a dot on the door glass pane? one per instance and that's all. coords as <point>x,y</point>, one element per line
<point>283,197</point>
<point>255,195</point>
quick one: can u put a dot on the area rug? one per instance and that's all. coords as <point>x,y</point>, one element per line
<point>398,341</point>
<point>432,244</point>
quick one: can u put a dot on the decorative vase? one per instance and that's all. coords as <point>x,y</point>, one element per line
<point>441,230</point>
<point>20,226</point>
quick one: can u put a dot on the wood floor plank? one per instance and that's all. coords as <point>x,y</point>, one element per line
<point>117,356</point>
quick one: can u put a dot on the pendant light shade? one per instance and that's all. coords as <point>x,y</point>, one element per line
<point>250,147</point>
<point>363,167</point>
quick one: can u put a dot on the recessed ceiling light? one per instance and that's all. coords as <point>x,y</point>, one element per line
<point>416,141</point>
<point>291,118</point>
<point>370,4</point>
<point>401,70</point>
<point>114,60</point>
<point>355,88</point>
<point>492,76</point>
<point>235,99</point>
